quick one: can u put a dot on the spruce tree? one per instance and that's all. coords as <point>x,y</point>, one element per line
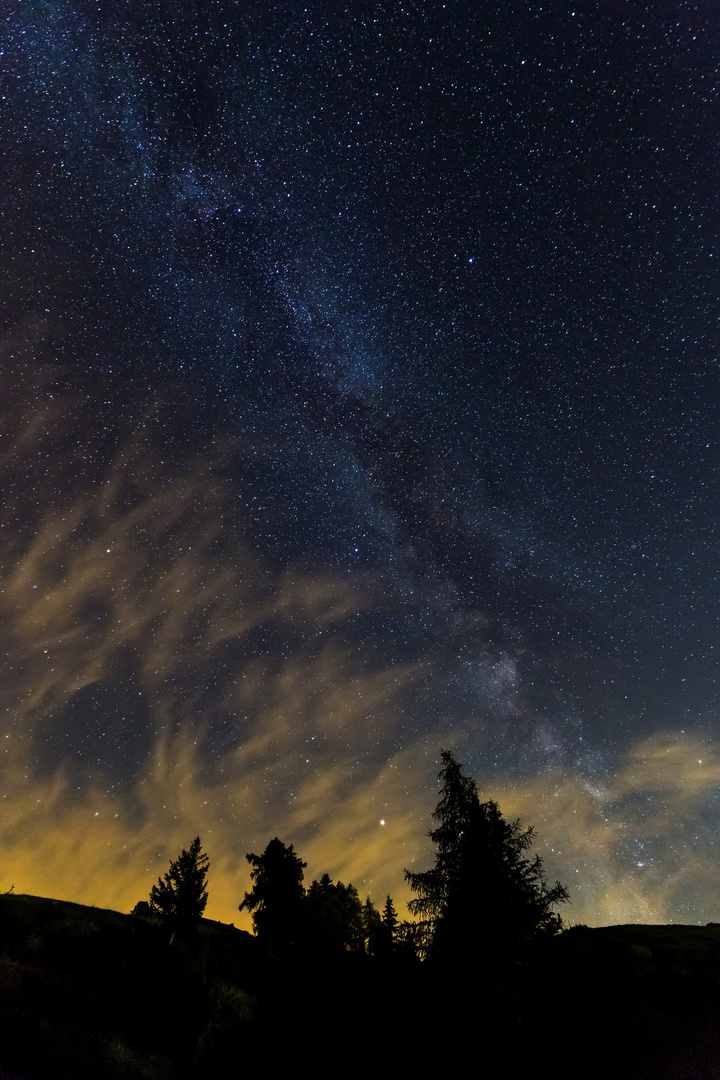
<point>389,916</point>
<point>276,900</point>
<point>483,897</point>
<point>182,894</point>
<point>335,916</point>
<point>373,927</point>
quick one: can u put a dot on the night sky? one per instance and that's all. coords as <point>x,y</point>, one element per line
<point>358,398</point>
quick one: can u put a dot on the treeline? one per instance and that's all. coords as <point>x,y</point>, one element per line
<point>328,916</point>
<point>485,897</point>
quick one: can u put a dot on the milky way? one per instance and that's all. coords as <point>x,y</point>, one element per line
<point>359,399</point>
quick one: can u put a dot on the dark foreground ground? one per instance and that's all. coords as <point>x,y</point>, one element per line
<point>91,993</point>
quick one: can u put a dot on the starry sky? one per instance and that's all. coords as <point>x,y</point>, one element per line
<point>358,398</point>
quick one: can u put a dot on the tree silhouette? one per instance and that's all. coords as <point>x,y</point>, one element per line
<point>483,898</point>
<point>389,916</point>
<point>410,941</point>
<point>386,935</point>
<point>276,898</point>
<point>373,926</point>
<point>335,915</point>
<point>182,894</point>
<point>382,941</point>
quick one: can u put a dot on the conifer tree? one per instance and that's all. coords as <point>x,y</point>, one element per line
<point>277,896</point>
<point>386,933</point>
<point>389,916</point>
<point>373,926</point>
<point>483,897</point>
<point>182,895</point>
<point>335,916</point>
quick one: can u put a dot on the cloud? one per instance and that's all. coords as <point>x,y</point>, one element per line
<point>637,845</point>
<point>162,680</point>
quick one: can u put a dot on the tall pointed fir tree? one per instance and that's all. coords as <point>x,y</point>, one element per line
<point>483,898</point>
<point>276,900</point>
<point>373,927</point>
<point>389,916</point>
<point>385,935</point>
<point>181,896</point>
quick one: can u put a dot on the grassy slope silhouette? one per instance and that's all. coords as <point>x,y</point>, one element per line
<point>86,992</point>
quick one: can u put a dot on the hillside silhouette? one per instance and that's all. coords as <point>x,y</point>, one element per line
<point>86,992</point>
